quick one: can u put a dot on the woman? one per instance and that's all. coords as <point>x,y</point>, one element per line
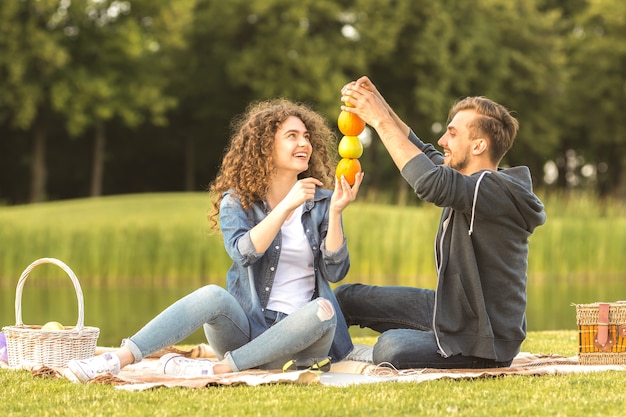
<point>282,228</point>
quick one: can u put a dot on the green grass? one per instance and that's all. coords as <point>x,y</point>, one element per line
<point>594,394</point>
<point>164,239</point>
<point>158,239</point>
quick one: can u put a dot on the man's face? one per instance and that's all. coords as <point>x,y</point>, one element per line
<point>456,142</point>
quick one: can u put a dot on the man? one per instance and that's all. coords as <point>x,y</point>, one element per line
<point>476,316</point>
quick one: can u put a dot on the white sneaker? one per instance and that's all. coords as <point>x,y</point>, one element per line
<point>86,369</point>
<point>177,365</point>
<point>361,353</point>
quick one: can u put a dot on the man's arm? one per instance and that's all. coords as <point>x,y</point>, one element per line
<point>367,102</point>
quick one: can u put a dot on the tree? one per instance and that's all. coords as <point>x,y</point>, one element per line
<point>536,83</point>
<point>31,63</point>
<point>242,50</point>
<point>200,81</point>
<point>156,82</point>
<point>596,129</point>
<point>118,67</point>
<point>508,51</point>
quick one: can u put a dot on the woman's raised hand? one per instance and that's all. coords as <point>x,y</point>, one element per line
<point>344,194</point>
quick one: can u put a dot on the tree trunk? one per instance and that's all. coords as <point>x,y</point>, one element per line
<point>190,163</point>
<point>38,168</point>
<point>97,172</point>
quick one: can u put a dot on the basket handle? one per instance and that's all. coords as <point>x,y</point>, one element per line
<point>20,286</point>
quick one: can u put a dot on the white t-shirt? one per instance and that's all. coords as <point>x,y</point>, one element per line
<point>294,282</point>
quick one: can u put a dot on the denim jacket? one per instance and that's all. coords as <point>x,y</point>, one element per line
<point>251,276</point>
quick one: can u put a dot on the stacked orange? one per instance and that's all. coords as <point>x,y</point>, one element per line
<point>350,147</point>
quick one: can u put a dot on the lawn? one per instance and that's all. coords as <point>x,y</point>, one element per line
<point>162,241</point>
<point>596,394</point>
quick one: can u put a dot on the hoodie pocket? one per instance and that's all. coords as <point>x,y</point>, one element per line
<point>456,313</point>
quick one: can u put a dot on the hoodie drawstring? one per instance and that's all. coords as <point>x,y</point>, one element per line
<point>471,229</point>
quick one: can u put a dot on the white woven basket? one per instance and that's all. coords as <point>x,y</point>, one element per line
<point>29,346</point>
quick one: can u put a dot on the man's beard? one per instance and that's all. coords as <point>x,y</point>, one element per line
<point>459,165</point>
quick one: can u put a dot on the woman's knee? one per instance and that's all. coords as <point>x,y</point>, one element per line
<point>213,296</point>
<point>211,290</point>
<point>325,310</point>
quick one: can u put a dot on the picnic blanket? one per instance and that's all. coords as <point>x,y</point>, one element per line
<point>146,374</point>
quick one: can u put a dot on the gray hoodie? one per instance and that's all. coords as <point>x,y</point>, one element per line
<point>481,250</point>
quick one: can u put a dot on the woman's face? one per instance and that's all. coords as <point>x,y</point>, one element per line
<point>292,147</point>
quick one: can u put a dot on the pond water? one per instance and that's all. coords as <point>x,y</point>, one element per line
<point>118,313</point>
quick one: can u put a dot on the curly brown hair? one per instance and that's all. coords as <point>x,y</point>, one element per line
<point>248,166</point>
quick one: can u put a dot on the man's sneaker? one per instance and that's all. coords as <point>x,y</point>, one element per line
<point>86,369</point>
<point>361,353</point>
<point>176,364</point>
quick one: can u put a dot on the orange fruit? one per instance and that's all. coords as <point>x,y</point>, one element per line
<point>350,124</point>
<point>350,147</point>
<point>348,167</point>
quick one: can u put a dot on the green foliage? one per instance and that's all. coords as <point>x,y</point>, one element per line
<point>597,91</point>
<point>304,50</point>
<point>178,71</point>
<point>115,57</point>
<point>31,60</point>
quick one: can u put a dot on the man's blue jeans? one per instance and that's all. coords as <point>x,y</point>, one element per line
<point>404,316</point>
<point>306,333</point>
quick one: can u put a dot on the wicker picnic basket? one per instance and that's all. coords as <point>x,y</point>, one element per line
<point>602,333</point>
<point>29,346</point>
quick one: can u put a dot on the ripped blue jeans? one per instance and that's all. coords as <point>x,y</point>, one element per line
<point>306,333</point>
